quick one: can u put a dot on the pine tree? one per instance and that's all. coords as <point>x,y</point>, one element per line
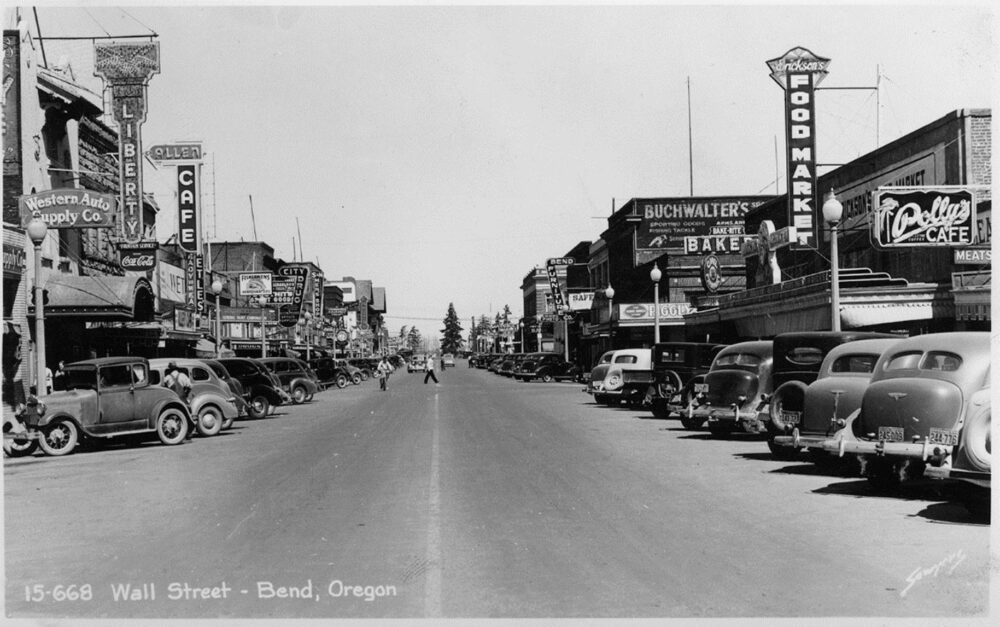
<point>451,339</point>
<point>413,339</point>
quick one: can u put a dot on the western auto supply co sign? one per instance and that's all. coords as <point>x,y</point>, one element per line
<point>799,72</point>
<point>924,217</point>
<point>69,209</point>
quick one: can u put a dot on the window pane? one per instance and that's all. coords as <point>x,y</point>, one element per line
<point>941,361</point>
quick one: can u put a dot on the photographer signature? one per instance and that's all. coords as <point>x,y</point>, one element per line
<point>951,561</point>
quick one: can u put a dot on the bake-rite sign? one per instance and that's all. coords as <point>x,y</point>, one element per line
<point>126,69</point>
<point>75,208</point>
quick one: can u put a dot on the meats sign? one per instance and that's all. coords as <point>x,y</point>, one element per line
<point>923,217</point>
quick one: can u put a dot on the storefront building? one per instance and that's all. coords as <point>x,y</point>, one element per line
<point>905,289</point>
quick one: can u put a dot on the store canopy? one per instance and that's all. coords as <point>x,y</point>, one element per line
<point>98,298</point>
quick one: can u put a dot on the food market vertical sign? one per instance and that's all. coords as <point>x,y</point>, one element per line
<point>126,69</point>
<point>799,72</point>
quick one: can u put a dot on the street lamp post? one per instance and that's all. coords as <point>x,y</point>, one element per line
<point>217,289</point>
<point>306,322</point>
<point>833,211</point>
<point>262,301</point>
<point>654,276</point>
<point>520,325</point>
<point>36,232</point>
<point>610,293</point>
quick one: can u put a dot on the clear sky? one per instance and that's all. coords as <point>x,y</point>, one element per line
<point>444,151</point>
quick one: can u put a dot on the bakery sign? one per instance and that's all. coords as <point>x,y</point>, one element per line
<point>923,216</point>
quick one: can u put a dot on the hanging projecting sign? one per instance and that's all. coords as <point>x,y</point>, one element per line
<point>175,152</point>
<point>188,211</point>
<point>923,217</point>
<point>69,208</point>
<point>580,301</point>
<point>140,257</point>
<point>255,283</point>
<point>799,72</point>
<point>194,271</point>
<point>126,68</point>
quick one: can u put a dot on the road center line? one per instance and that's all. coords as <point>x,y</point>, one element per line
<point>432,598</point>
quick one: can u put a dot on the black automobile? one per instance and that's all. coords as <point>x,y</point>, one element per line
<point>329,372</point>
<point>364,365</point>
<point>294,377</point>
<point>261,388</point>
<point>678,367</point>
<point>547,367</point>
<point>234,384</point>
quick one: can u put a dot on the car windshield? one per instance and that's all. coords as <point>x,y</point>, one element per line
<point>606,358</point>
<point>737,359</point>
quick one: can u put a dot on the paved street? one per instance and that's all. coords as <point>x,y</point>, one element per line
<point>481,497</point>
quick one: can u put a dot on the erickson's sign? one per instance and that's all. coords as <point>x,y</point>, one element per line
<point>799,72</point>
<point>924,217</point>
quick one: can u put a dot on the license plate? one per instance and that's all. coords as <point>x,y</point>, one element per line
<point>701,388</point>
<point>943,436</point>
<point>890,434</point>
<point>791,417</point>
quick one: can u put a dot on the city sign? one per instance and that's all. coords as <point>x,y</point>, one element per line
<point>175,152</point>
<point>69,209</point>
<point>799,72</point>
<point>298,273</point>
<point>127,68</point>
<point>255,283</point>
<point>188,209</point>
<point>923,217</point>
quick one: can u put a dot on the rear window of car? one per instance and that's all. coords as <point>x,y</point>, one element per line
<point>861,363</point>
<point>804,355</point>
<point>941,361</point>
<point>904,361</point>
<point>605,358</point>
<point>154,377</point>
<point>737,359</point>
<point>673,355</point>
<point>200,374</point>
<point>626,359</point>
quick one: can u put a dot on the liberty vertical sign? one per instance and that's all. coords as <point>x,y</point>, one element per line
<point>126,69</point>
<point>799,72</point>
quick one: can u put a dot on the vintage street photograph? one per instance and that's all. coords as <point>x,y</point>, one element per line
<point>473,311</point>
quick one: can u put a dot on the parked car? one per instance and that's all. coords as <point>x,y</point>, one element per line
<point>607,379</point>
<point>547,367</point>
<point>496,362</point>
<point>329,372</point>
<point>106,398</point>
<point>447,361</point>
<point>416,363</point>
<point>677,368</point>
<point>510,364</point>
<point>353,372</point>
<point>970,465</point>
<point>731,394</point>
<point>212,402</point>
<point>294,378</point>
<point>364,366</point>
<point>262,390</point>
<point>804,415</point>
<point>234,385</point>
<point>924,390</point>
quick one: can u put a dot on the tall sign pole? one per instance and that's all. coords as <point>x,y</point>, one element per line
<point>799,72</point>
<point>126,69</point>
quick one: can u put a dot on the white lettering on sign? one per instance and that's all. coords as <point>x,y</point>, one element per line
<point>924,217</point>
<point>801,149</point>
<point>187,207</point>
<point>729,245</point>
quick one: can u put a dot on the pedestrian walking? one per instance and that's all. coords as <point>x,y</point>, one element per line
<point>383,371</point>
<point>429,370</point>
<point>177,381</point>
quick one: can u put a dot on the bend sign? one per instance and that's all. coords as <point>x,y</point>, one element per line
<point>69,209</point>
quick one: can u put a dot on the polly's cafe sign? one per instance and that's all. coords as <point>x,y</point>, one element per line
<point>799,72</point>
<point>924,217</point>
<point>69,209</point>
<point>126,69</point>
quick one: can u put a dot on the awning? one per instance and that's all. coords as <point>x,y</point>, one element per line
<point>98,297</point>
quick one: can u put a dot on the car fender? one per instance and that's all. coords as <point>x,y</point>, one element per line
<point>228,409</point>
<point>168,404</point>
<point>308,384</point>
<point>273,396</point>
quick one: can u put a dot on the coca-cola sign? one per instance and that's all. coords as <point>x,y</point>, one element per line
<point>139,258</point>
<point>923,217</point>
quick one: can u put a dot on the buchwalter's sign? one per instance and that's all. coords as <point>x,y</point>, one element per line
<point>924,217</point>
<point>255,283</point>
<point>69,208</point>
<point>126,69</point>
<point>139,258</point>
<point>799,72</point>
<point>665,223</point>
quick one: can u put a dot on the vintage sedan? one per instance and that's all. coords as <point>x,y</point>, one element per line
<point>546,367</point>
<point>234,385</point>
<point>924,390</point>
<point>677,368</point>
<point>107,398</point>
<point>416,363</point>
<point>971,466</point>
<point>607,379</point>
<point>262,389</point>
<point>804,416</point>
<point>211,402</point>
<point>329,372</point>
<point>731,395</point>
<point>294,377</point>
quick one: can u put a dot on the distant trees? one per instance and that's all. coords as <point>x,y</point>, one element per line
<point>451,338</point>
<point>413,339</point>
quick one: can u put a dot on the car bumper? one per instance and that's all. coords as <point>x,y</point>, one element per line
<point>751,420</point>
<point>798,440</point>
<point>936,455</point>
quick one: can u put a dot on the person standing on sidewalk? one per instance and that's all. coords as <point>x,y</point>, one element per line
<point>382,372</point>
<point>429,369</point>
